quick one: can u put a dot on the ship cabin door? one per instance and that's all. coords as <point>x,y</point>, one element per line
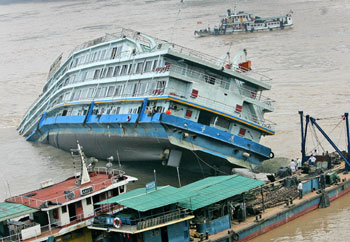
<point>205,117</point>
<point>164,234</point>
<point>72,212</point>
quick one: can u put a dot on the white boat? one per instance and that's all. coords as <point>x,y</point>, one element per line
<point>244,22</point>
<point>136,97</point>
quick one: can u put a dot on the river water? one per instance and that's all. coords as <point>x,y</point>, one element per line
<point>309,66</point>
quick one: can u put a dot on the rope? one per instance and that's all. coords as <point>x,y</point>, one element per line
<point>329,133</point>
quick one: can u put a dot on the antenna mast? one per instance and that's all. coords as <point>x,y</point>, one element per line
<point>177,17</point>
<point>235,7</point>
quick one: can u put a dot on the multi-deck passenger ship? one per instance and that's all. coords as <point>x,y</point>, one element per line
<point>135,97</point>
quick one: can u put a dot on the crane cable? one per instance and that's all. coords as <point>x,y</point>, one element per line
<point>314,132</point>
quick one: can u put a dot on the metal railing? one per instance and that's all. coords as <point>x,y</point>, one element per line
<point>15,233</point>
<point>33,202</point>
<point>157,220</point>
<point>144,222</point>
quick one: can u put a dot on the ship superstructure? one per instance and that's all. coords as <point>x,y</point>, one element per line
<point>245,22</point>
<point>140,98</point>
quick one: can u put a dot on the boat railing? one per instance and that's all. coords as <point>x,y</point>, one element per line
<point>250,73</point>
<point>104,220</point>
<point>162,218</point>
<point>114,175</point>
<point>45,230</point>
<point>212,103</point>
<point>220,83</point>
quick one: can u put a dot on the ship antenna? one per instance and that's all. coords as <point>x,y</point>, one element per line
<point>118,159</point>
<point>177,18</point>
<point>235,7</point>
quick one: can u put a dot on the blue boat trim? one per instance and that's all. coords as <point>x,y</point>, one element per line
<point>268,131</point>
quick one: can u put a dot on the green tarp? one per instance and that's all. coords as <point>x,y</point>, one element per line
<point>13,210</point>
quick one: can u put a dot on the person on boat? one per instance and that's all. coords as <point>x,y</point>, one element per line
<point>299,165</point>
<point>168,111</point>
<point>312,160</point>
<point>314,153</point>
<point>300,189</point>
<point>292,166</point>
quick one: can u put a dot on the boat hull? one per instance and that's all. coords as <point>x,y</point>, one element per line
<point>132,140</point>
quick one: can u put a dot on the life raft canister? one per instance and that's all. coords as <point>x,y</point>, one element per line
<point>117,222</point>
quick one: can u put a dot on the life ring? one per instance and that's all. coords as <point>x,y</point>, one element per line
<point>272,155</point>
<point>117,223</point>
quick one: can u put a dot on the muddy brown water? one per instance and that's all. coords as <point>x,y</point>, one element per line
<point>309,66</point>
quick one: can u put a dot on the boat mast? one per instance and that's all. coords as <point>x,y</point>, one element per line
<point>235,7</point>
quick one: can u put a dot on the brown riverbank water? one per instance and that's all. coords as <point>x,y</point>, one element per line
<point>309,65</point>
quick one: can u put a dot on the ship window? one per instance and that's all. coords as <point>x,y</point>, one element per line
<point>242,131</point>
<point>110,91</point>
<point>64,113</point>
<point>148,66</point>
<point>139,68</point>
<point>118,110</point>
<point>91,91</point>
<point>78,204</point>
<point>116,71</point>
<point>103,73</point>
<point>131,67</point>
<point>209,79</point>
<point>110,71</point>
<point>114,52</point>
<point>84,93</point>
<point>66,96</point>
<point>103,92</point>
<point>188,114</point>
<point>92,56</point>
<point>118,90</point>
<point>155,63</point>
<point>124,70</point>
<point>77,95</point>
<point>72,78</point>
<point>223,123</point>
<point>103,52</point>
<point>88,200</point>
<point>97,94</point>
<point>143,88</point>
<point>83,76</point>
<point>97,55</point>
<point>121,189</point>
<point>97,74</point>
<point>66,82</point>
<point>64,209</point>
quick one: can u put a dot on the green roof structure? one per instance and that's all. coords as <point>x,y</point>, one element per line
<point>142,201</point>
<point>214,189</point>
<point>14,210</point>
<point>193,196</point>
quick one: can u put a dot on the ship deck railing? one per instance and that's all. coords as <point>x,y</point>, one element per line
<point>114,174</point>
<point>221,83</point>
<point>133,225</point>
<point>45,230</point>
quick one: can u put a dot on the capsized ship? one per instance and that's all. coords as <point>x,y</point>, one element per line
<point>244,22</point>
<point>138,98</point>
